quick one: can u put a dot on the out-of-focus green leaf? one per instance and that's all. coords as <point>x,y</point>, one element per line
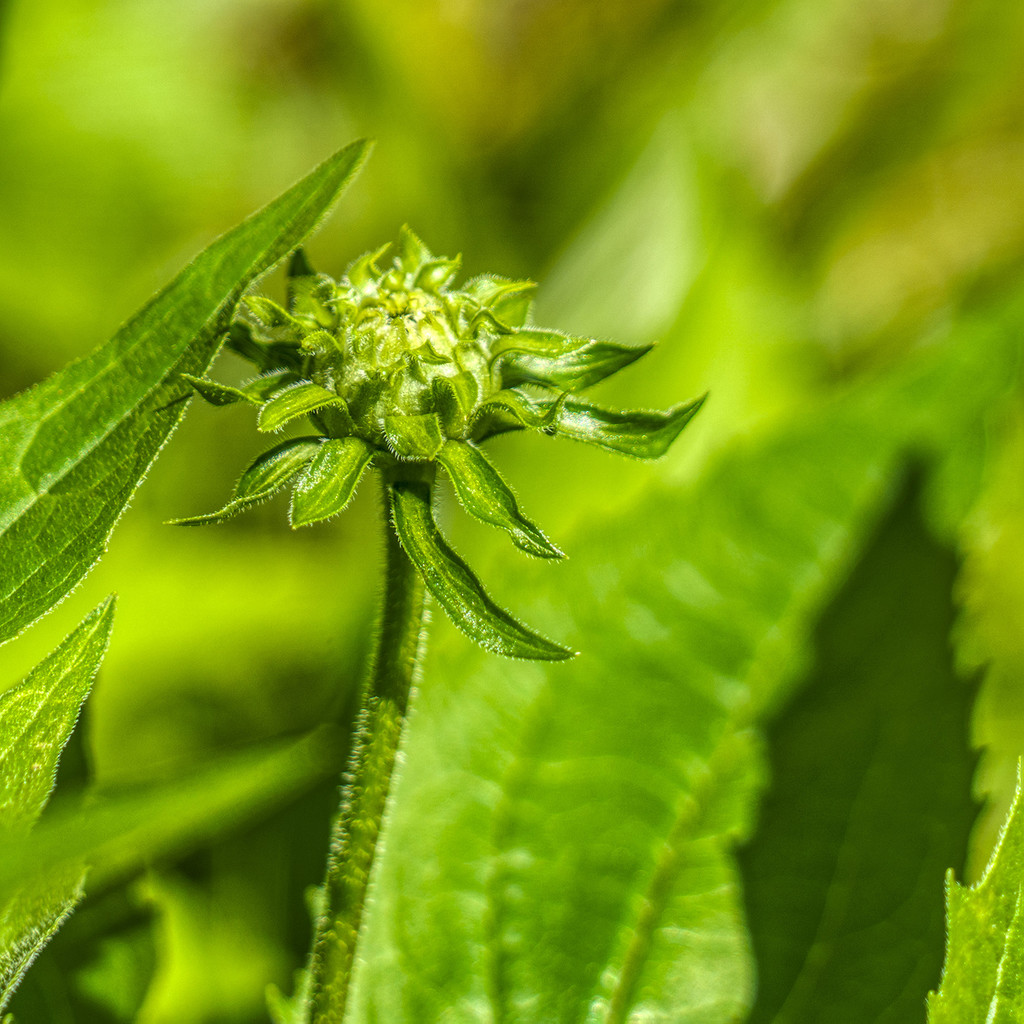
<point>455,586</point>
<point>36,718</point>
<point>870,799</point>
<point>485,494</point>
<point>330,480</point>
<point>115,835</point>
<point>981,977</point>
<point>559,848</point>
<point>75,447</point>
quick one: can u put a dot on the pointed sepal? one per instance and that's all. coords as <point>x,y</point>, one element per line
<point>510,302</point>
<point>485,495</point>
<point>533,356</point>
<point>263,479</point>
<point>455,586</point>
<point>455,399</point>
<point>411,253</point>
<point>217,394</point>
<point>644,435</point>
<point>513,409</point>
<point>414,437</point>
<point>330,480</point>
<point>293,402</point>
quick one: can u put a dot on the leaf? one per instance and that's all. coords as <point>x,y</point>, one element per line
<point>513,409</point>
<point>117,834</point>
<point>484,494</point>
<point>644,435</point>
<point>330,480</point>
<point>870,799</point>
<point>580,823</point>
<point>509,301</point>
<point>535,356</point>
<point>37,717</point>
<point>76,446</point>
<point>984,965</point>
<point>262,480</point>
<point>293,402</point>
<point>414,436</point>
<point>455,587</point>
<point>217,394</point>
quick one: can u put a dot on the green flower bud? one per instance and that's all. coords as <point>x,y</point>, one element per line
<point>397,368</point>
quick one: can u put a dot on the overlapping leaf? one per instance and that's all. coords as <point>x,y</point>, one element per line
<point>75,447</point>
<point>560,843</point>
<point>36,720</point>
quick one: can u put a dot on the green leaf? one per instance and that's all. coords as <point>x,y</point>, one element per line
<point>330,480</point>
<point>580,823</point>
<point>870,799</point>
<point>533,356</point>
<point>217,394</point>
<point>454,585</point>
<point>295,401</point>
<point>509,301</point>
<point>75,447</point>
<point>984,965</point>
<point>116,834</point>
<point>411,253</point>
<point>262,480</point>
<point>414,437</point>
<point>485,494</point>
<point>455,399</point>
<point>37,717</point>
<point>512,410</point>
<point>644,435</point>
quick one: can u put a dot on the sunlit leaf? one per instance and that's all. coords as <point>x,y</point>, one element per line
<point>330,480</point>
<point>454,585</point>
<point>485,494</point>
<point>75,447</point>
<point>262,480</point>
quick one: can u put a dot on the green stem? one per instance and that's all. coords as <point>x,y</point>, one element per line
<point>395,662</point>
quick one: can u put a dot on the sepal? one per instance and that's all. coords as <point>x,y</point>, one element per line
<point>454,399</point>
<point>509,301</point>
<point>217,394</point>
<point>297,400</point>
<point>532,356</point>
<point>329,480</point>
<point>414,437</point>
<point>264,478</point>
<point>513,409</point>
<point>485,495</point>
<point>454,585</point>
<point>644,435</point>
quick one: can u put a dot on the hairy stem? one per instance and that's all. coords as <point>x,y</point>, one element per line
<point>394,664</point>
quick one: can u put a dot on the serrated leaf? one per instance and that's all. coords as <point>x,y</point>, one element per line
<point>330,480</point>
<point>534,356</point>
<point>870,797</point>
<point>984,964</point>
<point>484,494</point>
<point>75,447</point>
<point>37,717</point>
<point>295,401</point>
<point>580,823</point>
<point>262,480</point>
<point>644,435</point>
<point>454,585</point>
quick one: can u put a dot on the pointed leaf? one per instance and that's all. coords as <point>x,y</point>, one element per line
<point>75,447</point>
<point>485,494</point>
<point>535,356</point>
<point>262,480</point>
<point>981,977</point>
<point>509,301</point>
<point>454,585</point>
<point>330,480</point>
<point>644,435</point>
<point>299,265</point>
<point>513,409</point>
<point>217,394</point>
<point>411,253</point>
<point>414,437</point>
<point>866,808</point>
<point>455,399</point>
<point>295,401</point>
<point>36,720</point>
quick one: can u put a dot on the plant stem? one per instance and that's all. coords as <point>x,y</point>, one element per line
<point>394,664</point>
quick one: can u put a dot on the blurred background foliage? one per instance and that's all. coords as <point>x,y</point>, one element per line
<point>792,197</point>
